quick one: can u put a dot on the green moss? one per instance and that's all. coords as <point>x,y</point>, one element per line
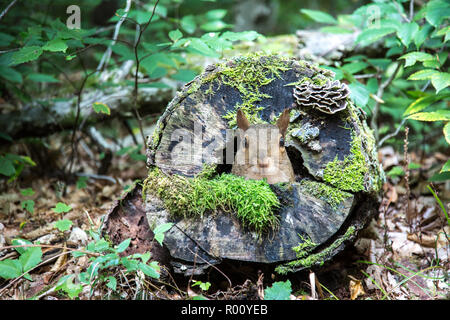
<point>348,174</point>
<point>314,259</point>
<point>305,247</point>
<point>318,80</point>
<point>331,195</point>
<point>156,135</point>
<point>253,201</point>
<point>248,74</point>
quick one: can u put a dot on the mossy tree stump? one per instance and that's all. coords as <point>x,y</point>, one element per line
<point>338,176</point>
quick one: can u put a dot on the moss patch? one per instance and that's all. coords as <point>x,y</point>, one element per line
<point>253,201</point>
<point>248,74</point>
<point>305,247</point>
<point>348,174</point>
<point>318,80</point>
<point>331,195</point>
<point>314,259</point>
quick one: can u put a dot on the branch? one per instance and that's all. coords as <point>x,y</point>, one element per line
<point>380,92</point>
<point>7,9</point>
<point>388,136</point>
<point>107,55</point>
<point>136,54</point>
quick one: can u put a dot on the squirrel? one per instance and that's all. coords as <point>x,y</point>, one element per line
<point>261,152</point>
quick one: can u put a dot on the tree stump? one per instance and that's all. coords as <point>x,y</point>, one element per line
<point>332,150</point>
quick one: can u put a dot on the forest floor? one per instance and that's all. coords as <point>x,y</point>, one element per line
<point>402,254</point>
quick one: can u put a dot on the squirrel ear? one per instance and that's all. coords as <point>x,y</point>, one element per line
<point>283,121</point>
<point>242,121</point>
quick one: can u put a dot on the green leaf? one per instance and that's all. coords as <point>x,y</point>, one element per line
<point>159,237</point>
<point>56,45</point>
<point>100,107</point>
<point>175,35</point>
<point>447,132</point>
<point>214,26</point>
<point>63,225</point>
<point>160,230</point>
<point>149,270</point>
<point>6,136</point>
<point>440,177</point>
<point>412,57</point>
<point>163,227</point>
<point>440,81</point>
<point>359,94</point>
<point>446,166</point>
<point>372,35</point>
<point>203,285</point>
<point>335,30</point>
<point>431,63</point>
<point>40,77</point>
<point>406,32</point>
<point>99,246</point>
<point>188,24</point>
<point>424,102</point>
<point>243,36</point>
<point>5,39</point>
<point>28,205</point>
<point>6,167</point>
<point>137,156</point>
<point>30,258</point>
<point>202,48</point>
<point>10,74</point>
<point>185,75</point>
<point>413,166</point>
<point>26,54</point>
<point>62,208</point>
<point>422,35</point>
<point>319,16</point>
<point>123,245</point>
<point>354,67</point>
<point>278,291</point>
<point>153,61</point>
<point>123,51</point>
<point>10,269</point>
<point>425,74</point>
<point>396,172</point>
<point>129,264</point>
<point>81,182</point>
<point>66,284</point>
<point>27,192</point>
<point>439,115</point>
<point>436,11</point>
<point>20,242</point>
<point>112,283</point>
<point>158,73</point>
<point>216,14</point>
<point>444,32</point>
<point>153,85</point>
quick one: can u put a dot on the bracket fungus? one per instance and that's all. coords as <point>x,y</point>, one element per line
<point>328,98</point>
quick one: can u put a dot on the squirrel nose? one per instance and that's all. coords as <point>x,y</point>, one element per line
<point>264,162</point>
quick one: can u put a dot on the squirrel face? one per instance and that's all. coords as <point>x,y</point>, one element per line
<point>261,152</point>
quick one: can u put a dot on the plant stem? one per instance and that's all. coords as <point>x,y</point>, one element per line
<point>380,92</point>
<point>136,55</point>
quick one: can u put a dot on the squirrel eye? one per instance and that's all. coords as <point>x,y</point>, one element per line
<point>281,142</point>
<point>245,142</point>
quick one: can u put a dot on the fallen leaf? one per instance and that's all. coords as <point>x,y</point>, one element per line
<point>423,239</point>
<point>356,289</point>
